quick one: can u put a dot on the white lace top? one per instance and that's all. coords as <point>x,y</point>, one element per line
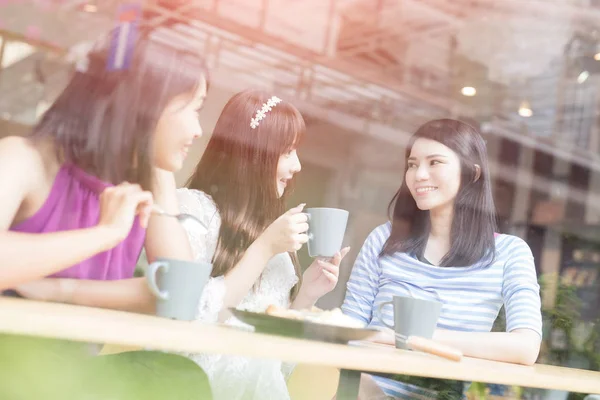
<point>236,378</point>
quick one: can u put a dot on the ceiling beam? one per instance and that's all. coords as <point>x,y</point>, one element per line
<point>350,67</point>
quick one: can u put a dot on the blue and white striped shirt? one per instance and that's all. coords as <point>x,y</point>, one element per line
<point>472,296</point>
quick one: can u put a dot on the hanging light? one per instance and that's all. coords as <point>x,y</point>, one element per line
<point>468,91</point>
<point>597,51</point>
<point>583,77</point>
<point>525,109</point>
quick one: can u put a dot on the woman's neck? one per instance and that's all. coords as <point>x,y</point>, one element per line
<point>438,243</point>
<point>441,223</point>
<point>51,158</point>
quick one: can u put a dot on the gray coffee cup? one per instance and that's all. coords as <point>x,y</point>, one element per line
<point>327,227</point>
<point>177,286</point>
<point>412,317</point>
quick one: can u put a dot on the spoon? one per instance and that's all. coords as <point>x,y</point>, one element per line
<point>182,217</point>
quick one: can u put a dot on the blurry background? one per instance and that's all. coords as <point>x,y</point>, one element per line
<point>366,74</point>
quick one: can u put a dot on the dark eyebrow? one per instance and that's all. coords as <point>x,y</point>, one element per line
<point>430,156</point>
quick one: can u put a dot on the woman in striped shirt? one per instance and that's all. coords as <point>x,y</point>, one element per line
<point>441,245</point>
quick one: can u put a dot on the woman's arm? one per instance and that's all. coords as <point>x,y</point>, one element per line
<point>229,290</point>
<point>166,237</point>
<point>126,294</point>
<point>246,272</point>
<point>285,234</point>
<point>522,304</point>
<point>224,291</point>
<point>25,257</point>
<point>363,285</point>
<point>320,278</point>
<point>520,290</point>
<point>219,293</point>
<point>133,294</point>
<point>520,346</point>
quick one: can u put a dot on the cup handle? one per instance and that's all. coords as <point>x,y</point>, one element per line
<point>151,279</point>
<point>379,315</point>
<point>310,235</point>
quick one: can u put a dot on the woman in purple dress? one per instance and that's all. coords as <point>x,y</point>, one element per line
<point>76,204</point>
<point>79,190</point>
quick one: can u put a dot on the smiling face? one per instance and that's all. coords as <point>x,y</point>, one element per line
<point>287,167</point>
<point>177,128</point>
<point>432,174</point>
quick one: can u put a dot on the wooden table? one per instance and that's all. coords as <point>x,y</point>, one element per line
<point>25,317</point>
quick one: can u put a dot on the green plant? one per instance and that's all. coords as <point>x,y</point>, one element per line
<point>446,389</point>
<point>478,391</point>
<point>561,321</point>
<point>592,346</point>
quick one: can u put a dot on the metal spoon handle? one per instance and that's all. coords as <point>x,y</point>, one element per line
<point>180,217</point>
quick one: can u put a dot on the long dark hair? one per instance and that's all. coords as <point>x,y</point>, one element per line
<point>238,170</point>
<point>474,220</point>
<point>104,121</point>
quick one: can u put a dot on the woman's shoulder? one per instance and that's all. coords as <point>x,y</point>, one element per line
<point>18,143</point>
<point>29,166</point>
<point>382,230</point>
<point>20,151</point>
<point>196,202</point>
<point>507,245</point>
<point>198,195</point>
<point>379,236</point>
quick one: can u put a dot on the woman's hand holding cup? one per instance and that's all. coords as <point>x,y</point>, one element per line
<point>288,232</point>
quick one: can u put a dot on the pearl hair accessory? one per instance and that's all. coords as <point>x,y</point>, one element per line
<point>266,107</point>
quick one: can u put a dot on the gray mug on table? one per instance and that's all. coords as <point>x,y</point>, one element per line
<point>327,227</point>
<point>412,317</point>
<point>177,286</point>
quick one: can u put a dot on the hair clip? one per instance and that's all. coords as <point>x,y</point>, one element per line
<point>266,107</point>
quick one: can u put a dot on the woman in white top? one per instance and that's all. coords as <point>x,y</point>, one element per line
<point>238,190</point>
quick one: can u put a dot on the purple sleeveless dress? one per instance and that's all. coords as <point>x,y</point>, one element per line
<point>74,203</point>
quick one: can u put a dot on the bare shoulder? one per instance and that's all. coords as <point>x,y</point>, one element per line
<point>20,158</point>
<point>17,149</point>
<point>22,171</point>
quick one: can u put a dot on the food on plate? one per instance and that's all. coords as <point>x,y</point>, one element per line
<point>316,315</point>
<point>282,312</point>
